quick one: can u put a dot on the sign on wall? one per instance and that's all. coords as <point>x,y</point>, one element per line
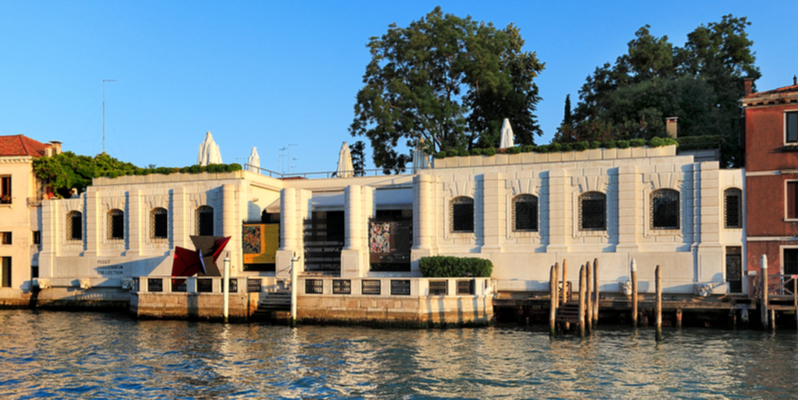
<point>260,242</point>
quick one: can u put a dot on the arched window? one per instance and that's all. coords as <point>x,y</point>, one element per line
<point>665,209</point>
<point>204,218</point>
<point>525,213</point>
<point>592,211</point>
<point>116,225</point>
<point>462,215</point>
<point>74,225</point>
<point>733,208</point>
<point>158,223</point>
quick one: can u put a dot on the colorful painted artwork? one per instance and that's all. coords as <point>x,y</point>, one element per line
<point>251,239</point>
<point>379,237</point>
<point>259,243</point>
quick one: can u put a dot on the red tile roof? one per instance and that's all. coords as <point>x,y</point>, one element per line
<point>19,145</point>
<point>785,89</point>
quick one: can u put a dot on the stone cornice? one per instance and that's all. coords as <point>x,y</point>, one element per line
<point>16,160</point>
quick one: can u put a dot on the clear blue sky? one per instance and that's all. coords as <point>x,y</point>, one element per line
<point>268,73</point>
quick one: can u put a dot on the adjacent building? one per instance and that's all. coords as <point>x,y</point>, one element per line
<point>770,128</point>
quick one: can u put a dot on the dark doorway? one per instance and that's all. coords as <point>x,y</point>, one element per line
<point>323,240</point>
<point>789,267</point>
<point>733,268</point>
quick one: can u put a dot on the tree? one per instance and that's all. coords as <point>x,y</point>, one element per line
<point>357,155</point>
<point>700,83</point>
<point>567,112</point>
<point>449,81</point>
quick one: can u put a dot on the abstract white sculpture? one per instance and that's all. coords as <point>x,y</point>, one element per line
<point>507,135</point>
<point>209,152</point>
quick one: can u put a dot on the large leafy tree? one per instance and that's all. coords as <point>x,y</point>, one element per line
<point>700,83</point>
<point>449,81</point>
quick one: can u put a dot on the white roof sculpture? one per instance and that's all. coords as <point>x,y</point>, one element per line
<point>209,152</point>
<point>253,162</point>
<point>419,158</point>
<point>507,138</point>
<point>344,168</point>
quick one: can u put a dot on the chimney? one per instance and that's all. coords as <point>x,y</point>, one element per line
<point>56,145</point>
<point>672,127</point>
<point>48,151</point>
<point>748,86</point>
<point>794,80</point>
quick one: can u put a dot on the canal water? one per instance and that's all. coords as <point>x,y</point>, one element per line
<point>98,355</point>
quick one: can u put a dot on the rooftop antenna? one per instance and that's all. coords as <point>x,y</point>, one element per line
<point>289,157</point>
<point>280,158</point>
<point>104,111</point>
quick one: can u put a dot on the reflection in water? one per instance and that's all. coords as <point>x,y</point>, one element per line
<point>70,355</point>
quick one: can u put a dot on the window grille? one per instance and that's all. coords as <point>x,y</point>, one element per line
<point>525,213</point>
<point>465,287</point>
<point>437,288</point>
<point>371,287</point>
<point>341,286</point>
<point>462,215</point>
<point>205,286</point>
<point>592,212</point>
<point>401,287</point>
<point>116,225</point>
<point>733,208</point>
<point>253,285</point>
<point>155,285</point>
<point>158,223</point>
<point>665,209</point>
<point>313,286</point>
<point>179,285</point>
<point>75,225</point>
<point>204,219</point>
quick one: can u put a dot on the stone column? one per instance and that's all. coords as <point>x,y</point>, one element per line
<point>354,232</point>
<point>424,209</point>
<point>630,210</point>
<point>94,231</point>
<point>493,207</point>
<point>368,211</point>
<point>710,256</point>
<point>560,211</point>
<point>137,227</point>
<point>289,226</point>
<point>229,221</point>
<point>49,238</point>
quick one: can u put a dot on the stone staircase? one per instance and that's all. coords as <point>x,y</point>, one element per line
<point>568,312</point>
<point>276,301</point>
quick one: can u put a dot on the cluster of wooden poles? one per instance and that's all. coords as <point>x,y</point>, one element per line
<point>589,297</point>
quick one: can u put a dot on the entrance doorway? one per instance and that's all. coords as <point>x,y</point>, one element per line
<point>733,268</point>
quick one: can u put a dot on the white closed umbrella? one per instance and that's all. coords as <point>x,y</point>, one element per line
<point>420,159</point>
<point>507,135</point>
<point>344,169</point>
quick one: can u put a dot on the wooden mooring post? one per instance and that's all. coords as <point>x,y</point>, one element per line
<point>679,318</point>
<point>582,302</point>
<point>596,313</point>
<point>658,302</point>
<point>764,293</point>
<point>589,304</point>
<point>553,297</point>
<point>564,289</point>
<point>634,295</point>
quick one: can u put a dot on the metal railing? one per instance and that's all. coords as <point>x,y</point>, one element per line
<point>319,175</point>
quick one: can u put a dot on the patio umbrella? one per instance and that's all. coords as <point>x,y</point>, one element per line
<point>507,135</point>
<point>344,169</point>
<point>254,162</point>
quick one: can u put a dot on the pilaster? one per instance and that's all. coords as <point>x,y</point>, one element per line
<point>493,207</point>
<point>137,227</point>
<point>93,228</point>
<point>630,208</point>
<point>354,232</point>
<point>559,212</point>
<point>423,219</point>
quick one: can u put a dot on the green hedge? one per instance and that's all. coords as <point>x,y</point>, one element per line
<point>454,267</point>
<point>558,147</point>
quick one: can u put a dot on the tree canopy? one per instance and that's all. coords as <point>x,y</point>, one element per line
<point>701,83</point>
<point>449,81</point>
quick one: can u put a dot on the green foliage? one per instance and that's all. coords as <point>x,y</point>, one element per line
<point>454,267</point>
<point>638,142</point>
<point>447,80</point>
<point>610,144</point>
<point>580,146</point>
<point>623,144</point>
<point>700,142</point>
<point>358,157</point>
<point>701,83</point>
<point>489,152</point>
<point>514,150</point>
<point>529,148</point>
<point>566,147</point>
<point>594,144</point>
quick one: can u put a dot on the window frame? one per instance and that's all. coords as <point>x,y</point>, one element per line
<point>5,190</point>
<point>740,211</point>
<point>786,200</point>
<point>651,209</point>
<point>6,238</point>
<point>458,201</point>
<point>585,196</point>
<point>70,225</point>
<point>204,209</point>
<point>155,213</point>
<point>111,226</point>
<point>524,198</point>
<point>786,142</point>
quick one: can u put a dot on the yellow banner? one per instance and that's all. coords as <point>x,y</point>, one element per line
<point>260,242</point>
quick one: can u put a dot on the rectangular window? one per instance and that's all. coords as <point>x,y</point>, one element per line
<point>6,271</point>
<point>401,287</point>
<point>341,286</point>
<point>75,227</point>
<point>465,287</point>
<point>5,190</point>
<point>790,127</point>
<point>313,286</point>
<point>791,200</point>
<point>37,237</point>
<point>371,287</point>
<point>5,237</point>
<point>437,288</point>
